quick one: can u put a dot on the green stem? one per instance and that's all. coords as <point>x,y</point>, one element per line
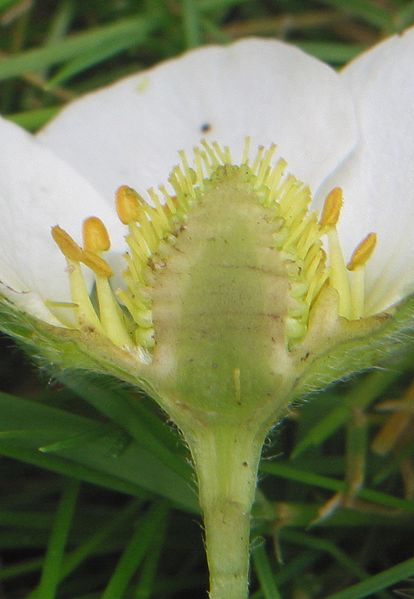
<point>226,461</point>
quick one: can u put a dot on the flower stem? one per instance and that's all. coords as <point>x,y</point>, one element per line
<point>226,461</point>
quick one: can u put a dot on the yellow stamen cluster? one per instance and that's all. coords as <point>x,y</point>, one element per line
<point>149,234</point>
<point>126,317</point>
<point>110,320</point>
<point>347,280</point>
<point>297,237</point>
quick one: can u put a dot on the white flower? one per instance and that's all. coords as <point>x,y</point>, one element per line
<point>255,318</point>
<point>354,129</point>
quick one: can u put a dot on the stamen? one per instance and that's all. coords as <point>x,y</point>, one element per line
<point>274,180</point>
<point>198,165</point>
<point>356,266</point>
<point>154,228</point>
<point>224,154</point>
<point>148,233</point>
<point>186,179</point>
<point>363,252</point>
<point>265,164</point>
<point>169,200</point>
<point>257,159</point>
<point>332,208</point>
<point>246,150</point>
<point>157,215</point>
<point>338,276</point>
<point>96,240</point>
<point>68,246</point>
<point>212,154</point>
<point>95,235</point>
<point>184,160</point>
<point>128,205</point>
<point>159,210</point>
<point>85,312</point>
<point>110,314</point>
<point>147,227</point>
<point>99,266</point>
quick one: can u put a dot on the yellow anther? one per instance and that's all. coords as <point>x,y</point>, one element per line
<point>357,267</point>
<point>74,254</point>
<point>332,208</point>
<point>128,204</point>
<point>363,252</point>
<point>68,246</point>
<point>95,235</point>
<point>96,263</point>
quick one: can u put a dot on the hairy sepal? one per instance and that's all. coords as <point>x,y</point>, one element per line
<point>55,348</point>
<point>335,348</point>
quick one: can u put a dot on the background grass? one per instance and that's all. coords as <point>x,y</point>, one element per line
<point>97,496</point>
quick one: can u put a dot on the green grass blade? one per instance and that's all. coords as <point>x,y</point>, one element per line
<point>74,559</point>
<point>332,52</point>
<point>32,120</point>
<point>370,12</point>
<point>326,546</point>
<point>309,478</point>
<point>135,30</point>
<point>20,569</point>
<point>379,582</point>
<point>322,430</point>
<point>6,3</point>
<point>361,396</point>
<point>264,574</point>
<point>112,459</point>
<point>88,60</point>
<point>147,579</point>
<point>135,552</point>
<point>61,21</point>
<point>191,23</point>
<point>208,5</point>
<point>405,16</point>
<point>296,566</point>
<point>112,400</point>
<point>54,557</point>
<point>68,468</point>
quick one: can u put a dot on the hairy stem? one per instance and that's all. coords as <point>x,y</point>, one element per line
<point>226,461</point>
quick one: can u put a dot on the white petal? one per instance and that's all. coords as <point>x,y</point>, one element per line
<point>130,132</point>
<point>37,191</point>
<point>378,179</point>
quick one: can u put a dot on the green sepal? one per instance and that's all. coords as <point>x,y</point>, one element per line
<point>349,347</point>
<point>54,348</point>
<point>359,345</point>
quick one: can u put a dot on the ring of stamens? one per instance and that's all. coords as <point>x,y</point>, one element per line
<point>125,316</point>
